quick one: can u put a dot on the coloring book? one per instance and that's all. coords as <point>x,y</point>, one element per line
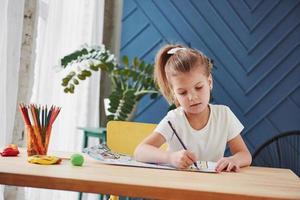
<point>104,155</point>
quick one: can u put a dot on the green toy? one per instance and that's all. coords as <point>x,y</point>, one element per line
<point>77,159</point>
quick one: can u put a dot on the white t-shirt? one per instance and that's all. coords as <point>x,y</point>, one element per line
<point>209,143</point>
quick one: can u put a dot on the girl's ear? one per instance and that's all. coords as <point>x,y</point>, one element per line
<point>210,81</point>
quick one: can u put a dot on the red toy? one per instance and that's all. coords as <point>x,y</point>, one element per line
<point>10,150</point>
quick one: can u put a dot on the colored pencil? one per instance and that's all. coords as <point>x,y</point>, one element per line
<point>38,121</point>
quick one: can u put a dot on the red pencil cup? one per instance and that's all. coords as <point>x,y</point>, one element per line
<point>37,140</point>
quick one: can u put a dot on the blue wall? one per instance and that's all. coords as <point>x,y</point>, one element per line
<point>255,47</point>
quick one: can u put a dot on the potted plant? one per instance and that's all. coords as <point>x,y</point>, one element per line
<point>131,80</point>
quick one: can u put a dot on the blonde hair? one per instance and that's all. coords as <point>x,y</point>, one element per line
<point>177,58</point>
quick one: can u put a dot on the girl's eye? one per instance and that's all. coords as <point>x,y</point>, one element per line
<point>182,93</point>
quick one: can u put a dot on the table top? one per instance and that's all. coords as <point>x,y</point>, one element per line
<point>94,177</point>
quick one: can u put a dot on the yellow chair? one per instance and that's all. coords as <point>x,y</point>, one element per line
<point>123,137</point>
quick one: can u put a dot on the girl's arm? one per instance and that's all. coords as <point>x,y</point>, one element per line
<point>149,151</point>
<point>241,156</point>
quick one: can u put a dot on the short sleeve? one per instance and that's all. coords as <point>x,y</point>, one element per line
<point>164,129</point>
<point>235,127</point>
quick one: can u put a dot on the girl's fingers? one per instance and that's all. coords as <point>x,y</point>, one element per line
<point>185,159</point>
<point>230,166</point>
<point>191,156</point>
<point>187,164</point>
<point>227,164</point>
<point>236,168</point>
<point>222,166</point>
<point>184,165</point>
<point>219,163</point>
<point>190,161</point>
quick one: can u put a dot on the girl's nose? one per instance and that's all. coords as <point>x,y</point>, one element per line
<point>192,96</point>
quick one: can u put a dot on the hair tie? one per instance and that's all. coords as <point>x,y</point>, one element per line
<point>174,50</point>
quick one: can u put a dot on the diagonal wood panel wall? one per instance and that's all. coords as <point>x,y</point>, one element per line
<point>255,47</point>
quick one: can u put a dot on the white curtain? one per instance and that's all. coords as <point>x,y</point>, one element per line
<point>63,26</point>
<point>11,22</point>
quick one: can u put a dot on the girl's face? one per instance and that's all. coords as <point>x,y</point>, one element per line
<point>192,90</point>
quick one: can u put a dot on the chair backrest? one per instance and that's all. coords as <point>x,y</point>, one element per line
<point>281,151</point>
<point>123,136</point>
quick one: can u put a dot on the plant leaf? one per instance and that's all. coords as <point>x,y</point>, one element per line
<point>125,61</point>
<point>136,62</point>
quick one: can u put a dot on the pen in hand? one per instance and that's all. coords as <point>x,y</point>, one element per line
<point>180,140</point>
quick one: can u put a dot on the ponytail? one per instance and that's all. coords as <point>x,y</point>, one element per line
<point>160,76</point>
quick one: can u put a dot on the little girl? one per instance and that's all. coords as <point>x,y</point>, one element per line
<point>184,77</point>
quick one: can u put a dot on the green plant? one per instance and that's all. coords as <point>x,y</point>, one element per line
<point>130,80</point>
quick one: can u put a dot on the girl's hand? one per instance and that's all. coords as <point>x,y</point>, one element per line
<point>182,159</point>
<point>227,163</point>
